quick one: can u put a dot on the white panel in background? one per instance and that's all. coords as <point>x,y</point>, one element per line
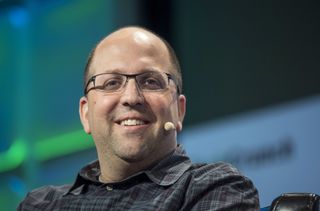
<point>278,147</point>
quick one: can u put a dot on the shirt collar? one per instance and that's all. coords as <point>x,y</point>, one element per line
<point>164,173</point>
<point>170,169</point>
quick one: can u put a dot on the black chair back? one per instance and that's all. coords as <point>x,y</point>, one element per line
<point>296,202</point>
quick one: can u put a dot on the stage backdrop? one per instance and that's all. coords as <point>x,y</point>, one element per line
<point>277,147</point>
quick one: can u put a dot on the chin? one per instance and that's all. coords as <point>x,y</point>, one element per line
<point>135,154</point>
<point>134,158</point>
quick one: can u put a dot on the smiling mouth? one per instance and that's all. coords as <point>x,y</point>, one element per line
<point>132,122</point>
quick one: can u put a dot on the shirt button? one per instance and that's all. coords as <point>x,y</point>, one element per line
<point>109,188</point>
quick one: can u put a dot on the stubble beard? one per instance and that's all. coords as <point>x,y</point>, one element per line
<point>132,147</point>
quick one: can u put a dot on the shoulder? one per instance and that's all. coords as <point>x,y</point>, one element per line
<point>214,170</point>
<point>42,195</point>
<point>219,173</point>
<point>221,186</point>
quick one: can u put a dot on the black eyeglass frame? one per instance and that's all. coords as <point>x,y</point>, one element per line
<point>128,76</point>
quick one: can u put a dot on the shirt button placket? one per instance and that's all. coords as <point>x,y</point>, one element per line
<point>109,188</point>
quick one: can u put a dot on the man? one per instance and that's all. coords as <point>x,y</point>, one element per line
<point>133,109</point>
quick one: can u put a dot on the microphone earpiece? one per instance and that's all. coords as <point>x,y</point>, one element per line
<point>169,126</point>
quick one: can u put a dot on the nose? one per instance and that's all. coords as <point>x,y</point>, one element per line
<point>132,95</point>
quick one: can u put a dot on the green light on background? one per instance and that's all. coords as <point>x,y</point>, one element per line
<point>45,149</point>
<point>13,157</point>
<point>62,145</point>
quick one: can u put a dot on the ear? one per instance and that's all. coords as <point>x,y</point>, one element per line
<point>182,111</point>
<point>84,114</point>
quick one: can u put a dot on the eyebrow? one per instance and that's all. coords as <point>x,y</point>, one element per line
<point>119,71</point>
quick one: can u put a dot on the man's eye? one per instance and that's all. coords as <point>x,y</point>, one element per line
<point>152,81</point>
<point>151,84</point>
<point>112,84</point>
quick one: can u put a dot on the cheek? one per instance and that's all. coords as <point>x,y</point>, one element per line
<point>164,107</point>
<point>101,108</point>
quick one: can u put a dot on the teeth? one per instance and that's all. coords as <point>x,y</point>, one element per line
<point>132,122</point>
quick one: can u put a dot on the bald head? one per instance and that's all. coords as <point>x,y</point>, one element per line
<point>134,40</point>
<point>133,34</point>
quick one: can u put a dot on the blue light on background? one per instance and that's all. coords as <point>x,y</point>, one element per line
<point>17,185</point>
<point>19,16</point>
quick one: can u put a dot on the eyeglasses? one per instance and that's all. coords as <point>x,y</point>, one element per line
<point>151,81</point>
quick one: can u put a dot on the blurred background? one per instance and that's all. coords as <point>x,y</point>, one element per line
<point>251,74</point>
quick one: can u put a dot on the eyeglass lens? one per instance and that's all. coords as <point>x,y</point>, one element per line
<point>149,81</point>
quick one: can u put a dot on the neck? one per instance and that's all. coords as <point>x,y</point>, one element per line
<point>117,171</point>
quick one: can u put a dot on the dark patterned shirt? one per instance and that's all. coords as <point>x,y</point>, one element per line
<point>172,184</point>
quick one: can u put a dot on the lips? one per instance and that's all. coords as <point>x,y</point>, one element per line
<point>132,122</point>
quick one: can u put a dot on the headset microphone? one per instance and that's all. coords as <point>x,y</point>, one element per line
<point>169,126</point>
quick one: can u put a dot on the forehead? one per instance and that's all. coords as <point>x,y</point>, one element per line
<point>130,51</point>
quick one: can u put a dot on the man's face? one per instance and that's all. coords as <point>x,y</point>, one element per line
<point>128,125</point>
